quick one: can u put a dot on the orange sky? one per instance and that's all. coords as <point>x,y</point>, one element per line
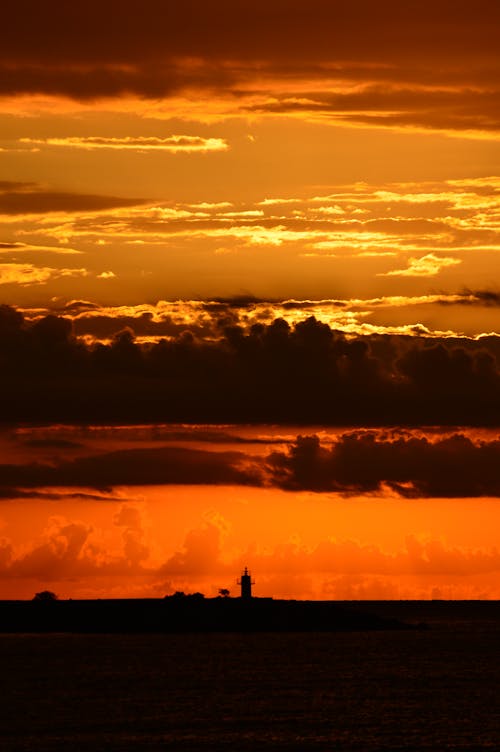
<point>297,545</point>
<point>199,152</point>
<point>180,168</point>
<point>150,540</point>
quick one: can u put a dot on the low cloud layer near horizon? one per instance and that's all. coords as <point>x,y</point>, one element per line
<point>71,555</point>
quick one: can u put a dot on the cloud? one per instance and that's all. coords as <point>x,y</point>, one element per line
<point>62,495</point>
<point>426,266</point>
<point>237,368</point>
<point>433,224</point>
<point>200,554</point>
<point>135,549</point>
<point>394,104</point>
<point>206,318</point>
<point>413,466</point>
<point>72,554</point>
<point>29,274</point>
<point>52,443</point>
<point>349,557</point>
<point>62,550</point>
<point>30,198</point>
<point>482,298</point>
<point>410,463</point>
<point>70,549</point>
<point>139,466</point>
<point>172,144</point>
<point>336,568</point>
<point>16,247</point>
<point>380,66</point>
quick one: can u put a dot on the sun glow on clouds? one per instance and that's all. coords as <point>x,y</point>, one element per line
<point>172,144</point>
<point>427,266</point>
<point>360,219</point>
<point>356,68</point>
<point>305,225</point>
<point>407,231</point>
<point>167,319</point>
<point>27,274</point>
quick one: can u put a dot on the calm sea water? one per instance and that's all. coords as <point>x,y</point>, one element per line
<point>424,690</point>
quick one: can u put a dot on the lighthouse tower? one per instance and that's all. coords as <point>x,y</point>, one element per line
<point>246,583</point>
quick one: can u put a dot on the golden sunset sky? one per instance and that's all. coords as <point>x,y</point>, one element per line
<point>174,178</point>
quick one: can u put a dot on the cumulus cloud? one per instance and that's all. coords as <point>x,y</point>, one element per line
<point>63,549</point>
<point>73,554</point>
<point>71,549</point>
<point>336,568</point>
<point>199,554</point>
<point>411,465</point>
<point>231,370</point>
<point>204,318</point>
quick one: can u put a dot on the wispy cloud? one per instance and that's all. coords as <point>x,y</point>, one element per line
<point>16,247</point>
<point>173,144</point>
<point>426,228</point>
<point>29,274</point>
<point>22,199</point>
<point>426,266</point>
<point>424,219</point>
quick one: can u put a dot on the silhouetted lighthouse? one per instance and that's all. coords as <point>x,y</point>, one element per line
<point>246,584</point>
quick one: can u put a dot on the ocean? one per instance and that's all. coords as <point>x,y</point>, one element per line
<point>429,689</point>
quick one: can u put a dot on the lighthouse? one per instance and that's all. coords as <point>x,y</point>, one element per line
<point>246,583</point>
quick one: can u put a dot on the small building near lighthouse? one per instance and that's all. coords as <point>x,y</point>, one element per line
<point>246,583</point>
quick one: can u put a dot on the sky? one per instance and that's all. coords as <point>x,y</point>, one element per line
<point>250,309</point>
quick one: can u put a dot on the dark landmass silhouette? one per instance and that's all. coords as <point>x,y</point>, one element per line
<point>189,614</point>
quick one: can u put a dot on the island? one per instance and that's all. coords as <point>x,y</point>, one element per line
<point>188,613</point>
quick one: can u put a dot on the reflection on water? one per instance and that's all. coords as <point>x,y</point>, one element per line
<point>435,690</point>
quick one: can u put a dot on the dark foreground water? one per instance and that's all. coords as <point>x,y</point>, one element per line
<point>424,690</point>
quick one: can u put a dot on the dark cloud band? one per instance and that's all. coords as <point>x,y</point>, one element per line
<point>305,374</point>
<point>411,464</point>
<point>444,51</point>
